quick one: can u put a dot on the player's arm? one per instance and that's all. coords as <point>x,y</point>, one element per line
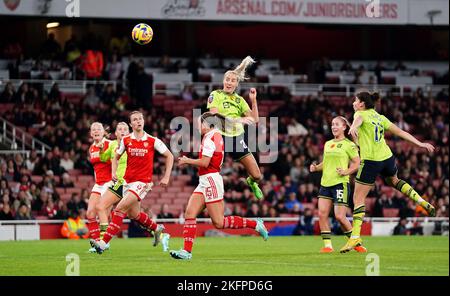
<point>253,112</point>
<point>357,122</point>
<point>115,160</point>
<point>164,151</point>
<point>207,152</point>
<point>201,162</point>
<point>410,138</point>
<point>105,155</point>
<point>314,167</point>
<point>353,168</point>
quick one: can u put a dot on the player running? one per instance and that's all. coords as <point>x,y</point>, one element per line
<point>340,160</point>
<point>103,176</point>
<point>209,193</point>
<point>368,128</point>
<point>140,148</point>
<point>115,191</point>
<point>229,104</point>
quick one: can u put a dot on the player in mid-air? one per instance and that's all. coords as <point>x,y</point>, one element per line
<point>340,160</point>
<point>103,176</point>
<point>368,128</point>
<point>209,193</point>
<point>140,148</point>
<point>234,107</point>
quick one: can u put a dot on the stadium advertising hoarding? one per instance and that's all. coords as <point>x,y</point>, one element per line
<point>300,11</point>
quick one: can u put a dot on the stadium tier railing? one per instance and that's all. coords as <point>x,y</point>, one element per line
<point>171,88</point>
<point>65,86</point>
<point>18,140</point>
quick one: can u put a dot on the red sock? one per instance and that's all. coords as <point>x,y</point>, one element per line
<point>146,222</point>
<point>115,226</point>
<point>189,231</point>
<point>94,229</point>
<point>238,222</point>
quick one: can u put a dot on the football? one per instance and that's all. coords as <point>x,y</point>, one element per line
<point>142,34</point>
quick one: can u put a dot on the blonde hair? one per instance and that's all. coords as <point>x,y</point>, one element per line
<point>97,123</point>
<point>239,71</point>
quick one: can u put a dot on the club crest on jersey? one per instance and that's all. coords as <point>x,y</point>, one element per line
<point>332,146</point>
<point>145,144</point>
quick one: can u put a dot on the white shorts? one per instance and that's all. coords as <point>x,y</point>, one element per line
<point>100,189</point>
<point>211,187</point>
<point>139,189</point>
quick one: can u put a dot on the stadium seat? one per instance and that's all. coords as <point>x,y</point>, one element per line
<point>390,213</point>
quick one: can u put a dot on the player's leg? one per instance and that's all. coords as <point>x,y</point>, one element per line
<point>146,222</point>
<point>359,198</point>
<point>324,206</point>
<point>402,186</point>
<point>340,212</point>
<point>116,221</point>
<point>250,164</point>
<point>389,172</point>
<point>108,199</point>
<point>91,216</point>
<point>195,205</point>
<point>216,211</point>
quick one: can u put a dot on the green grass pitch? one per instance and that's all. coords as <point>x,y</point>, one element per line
<point>230,256</point>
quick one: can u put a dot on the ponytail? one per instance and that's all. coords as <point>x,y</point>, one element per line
<point>369,99</point>
<point>239,71</point>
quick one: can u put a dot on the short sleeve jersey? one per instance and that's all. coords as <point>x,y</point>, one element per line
<point>102,170</point>
<point>371,140</point>
<point>140,154</point>
<point>212,146</point>
<point>231,106</point>
<point>337,154</point>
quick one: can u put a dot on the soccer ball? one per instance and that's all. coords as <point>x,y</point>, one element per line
<point>142,34</point>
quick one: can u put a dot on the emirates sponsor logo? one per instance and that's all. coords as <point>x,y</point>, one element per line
<point>140,152</point>
<point>12,4</point>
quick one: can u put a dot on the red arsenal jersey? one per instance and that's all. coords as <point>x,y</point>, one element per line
<point>102,170</point>
<point>140,155</point>
<point>212,146</point>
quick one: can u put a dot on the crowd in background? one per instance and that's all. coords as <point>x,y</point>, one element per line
<point>63,123</point>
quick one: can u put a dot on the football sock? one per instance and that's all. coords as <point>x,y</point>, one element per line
<point>103,227</point>
<point>146,222</point>
<point>326,237</point>
<point>115,226</point>
<point>407,190</point>
<point>348,234</point>
<point>358,217</point>
<point>238,222</point>
<point>94,230</point>
<point>189,231</point>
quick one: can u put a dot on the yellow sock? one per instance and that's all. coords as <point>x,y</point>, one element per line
<point>326,237</point>
<point>348,234</point>
<point>407,190</point>
<point>103,228</point>
<point>358,216</point>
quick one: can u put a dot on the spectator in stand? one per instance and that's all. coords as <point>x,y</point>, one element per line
<point>8,94</point>
<point>292,201</point>
<point>296,129</point>
<point>144,88</point>
<point>109,96</point>
<point>114,68</point>
<point>12,50</point>
<point>321,68</point>
<point>253,211</point>
<point>164,213</point>
<point>91,99</point>
<point>74,227</point>
<point>32,160</point>
<point>401,228</point>
<point>66,163</point>
<point>51,48</point>
<point>5,212</point>
<point>305,225</point>
<point>346,67</point>
<point>76,203</point>
<point>66,181</point>
<point>24,213</point>
<point>189,93</point>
